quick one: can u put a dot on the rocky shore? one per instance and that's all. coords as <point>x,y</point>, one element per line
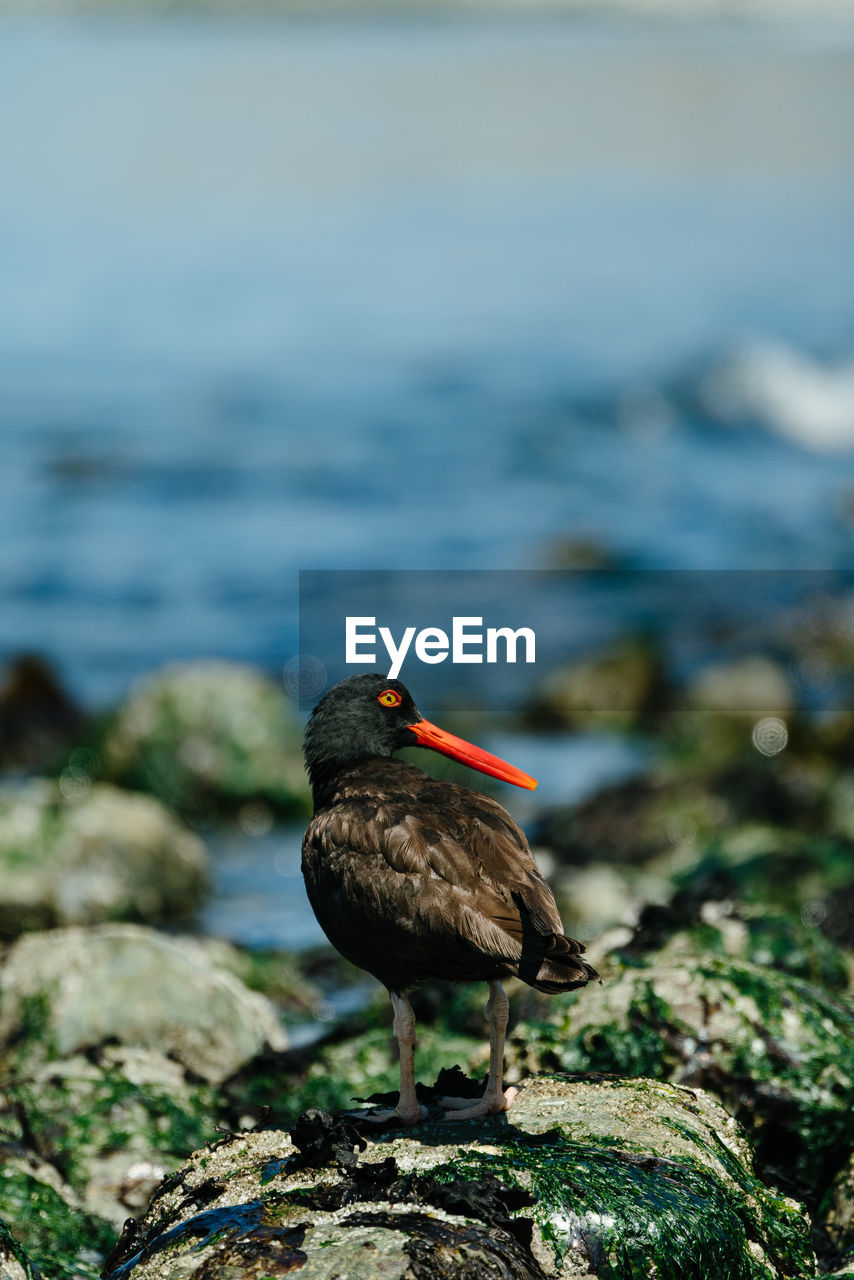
<point>691,1116</point>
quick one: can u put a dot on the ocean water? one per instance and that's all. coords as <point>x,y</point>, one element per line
<point>409,293</point>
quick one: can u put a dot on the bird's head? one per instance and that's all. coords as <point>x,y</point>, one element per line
<point>370,715</point>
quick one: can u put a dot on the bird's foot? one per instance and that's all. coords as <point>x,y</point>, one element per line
<point>467,1108</point>
<point>406,1115</point>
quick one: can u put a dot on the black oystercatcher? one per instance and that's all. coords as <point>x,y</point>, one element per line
<point>412,878</point>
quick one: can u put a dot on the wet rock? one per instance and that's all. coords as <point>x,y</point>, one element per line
<point>38,718</point>
<point>620,689</point>
<point>76,853</point>
<point>593,899</point>
<point>210,737</point>
<point>580,1179</point>
<point>777,1051</point>
<point>774,839</point>
<point>71,990</point>
<point>47,1230</point>
<point>115,1121</point>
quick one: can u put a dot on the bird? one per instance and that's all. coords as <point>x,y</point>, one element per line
<point>412,878</point>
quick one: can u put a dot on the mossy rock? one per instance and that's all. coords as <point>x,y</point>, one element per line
<point>624,1180</point>
<point>771,867</point>
<point>749,931</point>
<point>673,813</point>
<point>751,686</point>
<point>50,1230</point>
<point>208,738</point>
<point>73,990</point>
<point>14,1262</point>
<point>621,689</point>
<point>277,975</point>
<point>838,1215</point>
<point>115,1123</point>
<point>92,854</point>
<point>740,710</point>
<point>776,1050</point>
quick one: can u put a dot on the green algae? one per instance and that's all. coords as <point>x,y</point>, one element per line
<point>33,1025</point>
<point>786,944</point>
<point>776,1050</point>
<point>637,1217</point>
<point>80,1117</point>
<point>9,1248</point>
<point>640,1047</point>
<point>59,1239</point>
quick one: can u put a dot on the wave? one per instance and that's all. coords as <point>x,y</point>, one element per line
<point>806,401</point>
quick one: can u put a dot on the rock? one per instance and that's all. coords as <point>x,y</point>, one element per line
<point>86,853</point>
<point>71,990</point>
<point>774,869</point>
<point>839,1218</point>
<point>778,1052</point>
<point>738,710</point>
<point>14,1263</point>
<point>207,737</point>
<point>46,1227</point>
<point>116,1121</point>
<point>741,931</point>
<point>620,689</point>
<point>582,555</point>
<point>278,975</point>
<point>673,811</point>
<point>38,718</point>
<point>582,1179</point>
<point>752,686</point>
<point>776,840</point>
<point>594,899</point>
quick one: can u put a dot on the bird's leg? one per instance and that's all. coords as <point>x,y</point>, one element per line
<point>408,1109</point>
<point>494,1098</point>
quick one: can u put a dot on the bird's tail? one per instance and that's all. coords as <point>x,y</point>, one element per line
<point>550,961</point>
<point>561,968</point>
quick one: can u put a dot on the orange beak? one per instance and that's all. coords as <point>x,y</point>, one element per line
<point>430,735</point>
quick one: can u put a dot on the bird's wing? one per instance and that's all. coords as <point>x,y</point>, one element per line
<point>444,866</point>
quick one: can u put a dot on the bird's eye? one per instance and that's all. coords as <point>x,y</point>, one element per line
<point>389,698</point>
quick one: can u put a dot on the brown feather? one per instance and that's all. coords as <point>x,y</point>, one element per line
<point>408,901</point>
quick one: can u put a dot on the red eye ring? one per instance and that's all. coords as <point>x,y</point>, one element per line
<point>389,698</point>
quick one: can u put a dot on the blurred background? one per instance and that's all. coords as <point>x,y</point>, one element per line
<point>444,289</point>
<point>380,289</point>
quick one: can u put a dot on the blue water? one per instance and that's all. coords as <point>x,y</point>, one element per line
<point>402,293</point>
